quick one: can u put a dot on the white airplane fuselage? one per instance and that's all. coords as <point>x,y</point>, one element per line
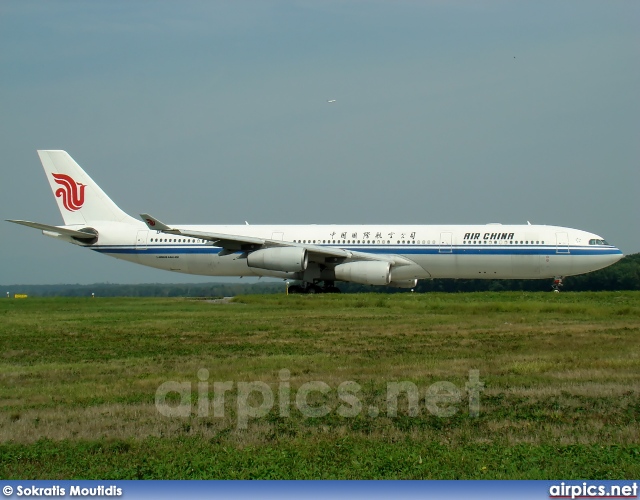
<point>489,251</point>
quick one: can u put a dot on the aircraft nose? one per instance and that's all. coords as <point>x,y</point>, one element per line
<point>614,256</point>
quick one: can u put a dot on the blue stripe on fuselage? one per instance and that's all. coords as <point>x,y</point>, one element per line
<point>388,249</point>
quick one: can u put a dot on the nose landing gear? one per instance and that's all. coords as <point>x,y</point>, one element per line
<point>557,284</point>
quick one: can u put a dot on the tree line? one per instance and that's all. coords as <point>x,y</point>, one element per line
<point>623,275</point>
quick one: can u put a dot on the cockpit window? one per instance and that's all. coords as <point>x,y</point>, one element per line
<point>598,242</point>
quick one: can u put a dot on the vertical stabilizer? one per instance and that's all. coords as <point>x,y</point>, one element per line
<point>79,198</point>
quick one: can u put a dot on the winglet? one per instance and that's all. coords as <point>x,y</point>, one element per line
<point>153,223</point>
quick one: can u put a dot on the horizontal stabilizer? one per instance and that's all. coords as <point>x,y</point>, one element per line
<point>55,229</point>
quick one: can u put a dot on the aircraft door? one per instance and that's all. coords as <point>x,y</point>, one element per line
<point>141,240</point>
<point>562,243</point>
<point>445,243</point>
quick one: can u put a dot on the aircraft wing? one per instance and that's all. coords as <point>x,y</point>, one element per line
<point>55,229</point>
<point>227,241</point>
<point>233,243</point>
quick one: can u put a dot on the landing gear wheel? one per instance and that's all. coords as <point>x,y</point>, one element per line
<point>296,289</point>
<point>557,284</point>
<point>313,289</point>
<point>329,286</point>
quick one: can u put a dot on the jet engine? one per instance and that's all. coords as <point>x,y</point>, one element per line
<point>364,272</point>
<point>287,259</point>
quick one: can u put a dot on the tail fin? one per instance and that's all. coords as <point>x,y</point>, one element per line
<point>80,199</point>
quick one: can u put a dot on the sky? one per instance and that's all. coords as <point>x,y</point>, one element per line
<point>206,112</point>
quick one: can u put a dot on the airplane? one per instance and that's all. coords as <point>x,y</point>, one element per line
<point>317,256</point>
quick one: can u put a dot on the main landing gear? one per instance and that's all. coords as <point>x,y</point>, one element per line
<point>557,284</point>
<point>312,288</point>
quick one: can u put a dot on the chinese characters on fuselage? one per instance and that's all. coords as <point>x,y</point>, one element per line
<point>366,235</point>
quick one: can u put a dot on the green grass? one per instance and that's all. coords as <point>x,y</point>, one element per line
<point>561,375</point>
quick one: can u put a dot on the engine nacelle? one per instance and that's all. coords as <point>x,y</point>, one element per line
<point>287,259</point>
<point>404,283</point>
<point>364,272</point>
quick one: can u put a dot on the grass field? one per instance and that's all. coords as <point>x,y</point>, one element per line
<point>558,392</point>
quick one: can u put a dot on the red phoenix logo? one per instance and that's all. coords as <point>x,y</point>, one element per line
<point>151,222</point>
<point>72,192</point>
